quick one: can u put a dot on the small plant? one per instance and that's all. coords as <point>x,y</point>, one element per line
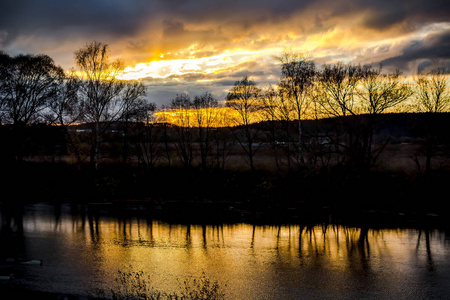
<point>201,289</point>
<point>135,285</point>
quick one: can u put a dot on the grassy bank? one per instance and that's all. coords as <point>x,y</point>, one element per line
<point>193,194</point>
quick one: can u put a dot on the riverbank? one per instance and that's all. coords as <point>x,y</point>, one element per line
<point>214,196</point>
<point>9,292</point>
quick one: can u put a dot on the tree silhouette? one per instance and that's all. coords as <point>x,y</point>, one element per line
<point>431,97</point>
<point>296,87</point>
<point>28,85</point>
<point>336,97</point>
<point>182,105</point>
<point>205,115</point>
<point>377,92</point>
<point>244,98</point>
<point>105,98</point>
<point>146,141</point>
<point>337,86</point>
<point>64,110</point>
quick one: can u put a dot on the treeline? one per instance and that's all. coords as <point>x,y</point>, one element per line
<point>34,90</point>
<point>98,113</point>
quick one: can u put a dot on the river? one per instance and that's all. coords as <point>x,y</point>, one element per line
<point>82,255</point>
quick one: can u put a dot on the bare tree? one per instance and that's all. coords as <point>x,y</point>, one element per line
<point>205,115</point>
<point>222,147</point>
<point>162,118</point>
<point>381,91</point>
<point>279,109</point>
<point>146,142</point>
<point>296,86</point>
<point>28,82</point>
<point>336,97</point>
<point>431,97</point>
<point>277,113</point>
<point>105,98</point>
<point>244,99</point>
<point>337,85</point>
<point>133,109</point>
<point>5,61</point>
<point>377,92</point>
<point>181,105</point>
<point>64,109</point>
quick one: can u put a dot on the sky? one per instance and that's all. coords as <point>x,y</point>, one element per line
<point>187,46</point>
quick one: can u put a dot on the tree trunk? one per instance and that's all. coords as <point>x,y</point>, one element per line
<point>299,143</point>
<point>95,148</point>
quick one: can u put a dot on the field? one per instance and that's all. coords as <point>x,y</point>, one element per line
<point>398,182</point>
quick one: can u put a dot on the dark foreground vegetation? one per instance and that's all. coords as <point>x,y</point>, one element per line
<point>192,195</point>
<point>131,284</point>
<point>383,194</point>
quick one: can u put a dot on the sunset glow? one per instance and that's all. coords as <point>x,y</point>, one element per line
<point>176,68</point>
<point>190,46</point>
<point>218,117</point>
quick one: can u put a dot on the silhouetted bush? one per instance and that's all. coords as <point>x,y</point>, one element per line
<point>136,285</point>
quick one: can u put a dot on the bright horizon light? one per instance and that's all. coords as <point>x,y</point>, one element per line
<point>214,64</point>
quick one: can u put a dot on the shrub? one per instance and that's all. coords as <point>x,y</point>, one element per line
<point>135,285</point>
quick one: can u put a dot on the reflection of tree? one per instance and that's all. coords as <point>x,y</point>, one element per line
<point>12,239</point>
<point>57,210</point>
<point>188,236</point>
<point>12,213</point>
<point>78,213</point>
<point>363,241</point>
<point>252,244</point>
<point>150,230</point>
<point>218,230</point>
<point>430,263</point>
<point>204,235</point>
<point>93,220</point>
<point>322,244</point>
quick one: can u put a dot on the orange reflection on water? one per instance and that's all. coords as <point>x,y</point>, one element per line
<point>254,262</point>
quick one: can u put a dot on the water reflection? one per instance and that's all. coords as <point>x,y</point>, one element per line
<point>83,248</point>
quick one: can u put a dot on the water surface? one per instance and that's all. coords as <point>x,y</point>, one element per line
<point>81,255</point>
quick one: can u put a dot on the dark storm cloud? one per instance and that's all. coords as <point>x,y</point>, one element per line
<point>133,26</point>
<point>47,17</point>
<point>125,17</point>
<point>175,34</point>
<point>119,18</point>
<point>223,10</point>
<point>431,52</point>
<point>409,14</point>
<point>148,30</point>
